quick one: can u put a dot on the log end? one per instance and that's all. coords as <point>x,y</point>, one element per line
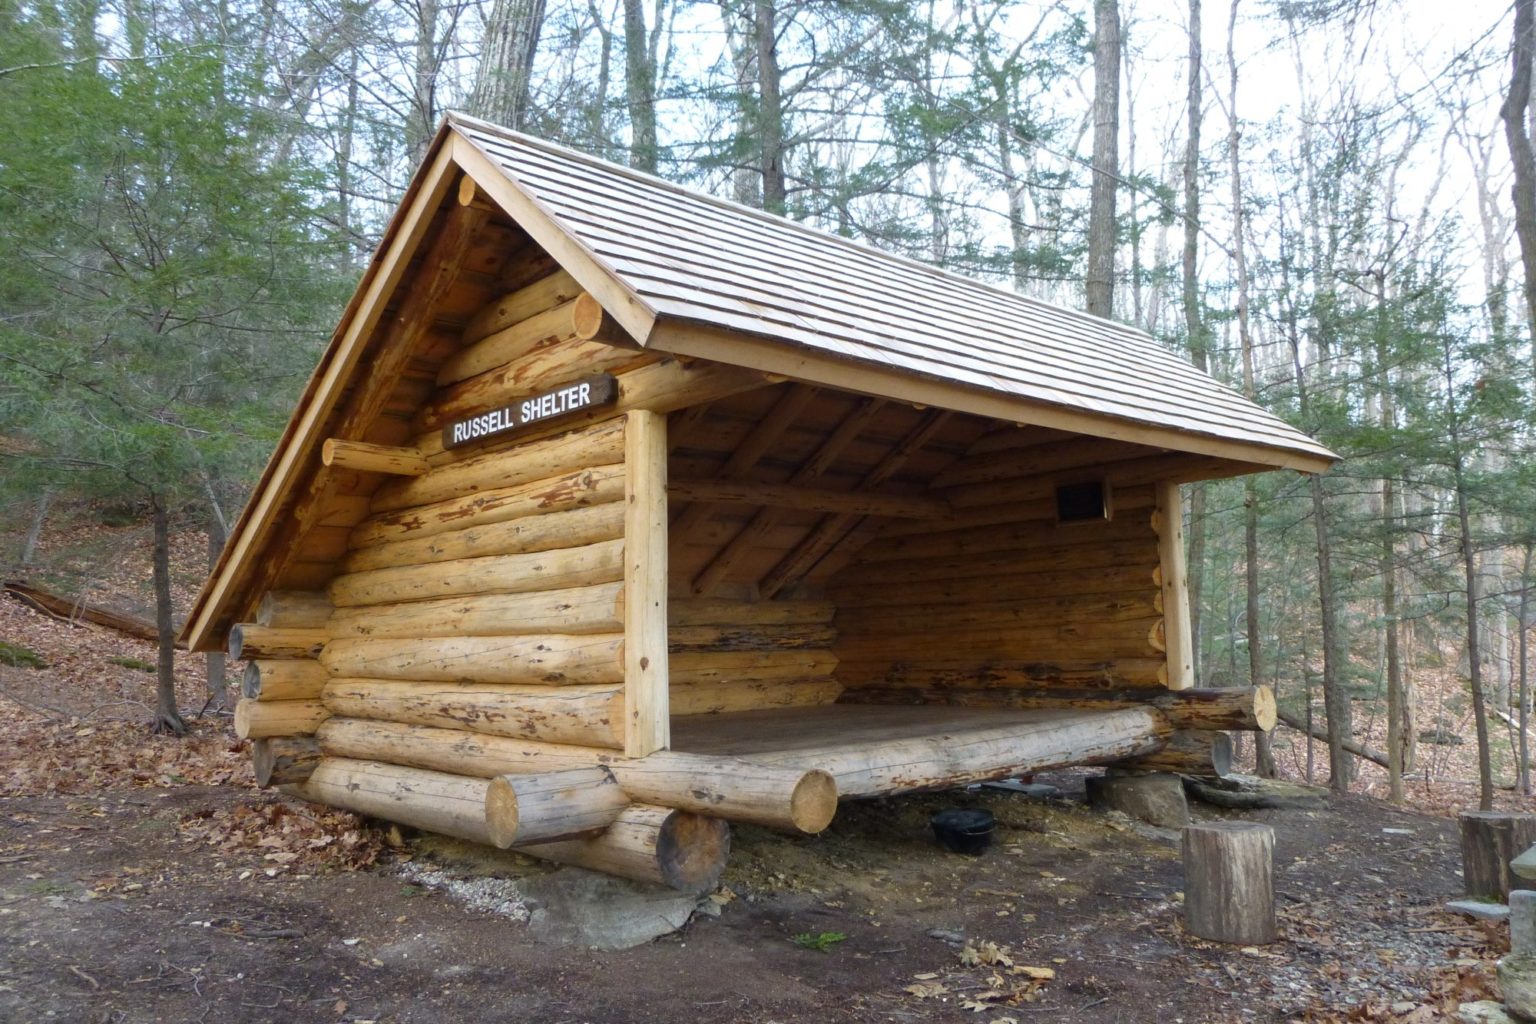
<point>501,815</point>
<point>586,316</point>
<point>236,645</point>
<point>284,760</point>
<point>243,715</point>
<point>813,803</point>
<point>466,191</point>
<point>691,851</point>
<point>1266,714</point>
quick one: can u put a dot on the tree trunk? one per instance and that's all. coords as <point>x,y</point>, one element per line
<point>1263,755</point>
<point>1335,699</point>
<point>1516,104</point>
<point>218,690</point>
<point>167,717</point>
<point>1106,161</point>
<point>29,546</point>
<point>1474,646</point>
<point>1523,715</point>
<point>1387,563</point>
<point>422,116</point>
<point>506,62</point>
<point>640,87</point>
<point>1192,321</point>
<point>770,106</point>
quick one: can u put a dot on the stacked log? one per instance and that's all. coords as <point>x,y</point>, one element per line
<point>280,706</point>
<point>747,655</point>
<point>1000,596</point>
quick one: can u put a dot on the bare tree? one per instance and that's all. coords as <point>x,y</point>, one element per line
<point>506,62</point>
<point>1106,160</point>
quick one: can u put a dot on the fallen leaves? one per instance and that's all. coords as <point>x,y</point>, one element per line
<point>987,978</point>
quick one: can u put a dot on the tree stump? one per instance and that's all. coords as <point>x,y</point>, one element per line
<point>1229,892</point>
<point>1489,841</point>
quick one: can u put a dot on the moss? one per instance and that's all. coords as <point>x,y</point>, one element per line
<point>17,656</point>
<point>137,664</point>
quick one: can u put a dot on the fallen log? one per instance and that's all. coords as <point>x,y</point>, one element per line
<point>651,844</point>
<point>73,611</point>
<point>1358,749</point>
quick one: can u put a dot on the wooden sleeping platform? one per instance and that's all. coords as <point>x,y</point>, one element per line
<point>879,751</point>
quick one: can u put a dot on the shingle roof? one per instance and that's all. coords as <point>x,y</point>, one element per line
<point>687,256</point>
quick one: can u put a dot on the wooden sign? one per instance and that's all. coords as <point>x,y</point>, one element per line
<point>555,404</point>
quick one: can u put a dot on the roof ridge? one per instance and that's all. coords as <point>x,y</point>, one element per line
<point>609,167</point>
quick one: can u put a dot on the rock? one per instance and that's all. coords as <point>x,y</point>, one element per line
<point>1479,909</point>
<point>1517,982</point>
<point>1484,1011</point>
<point>1251,793</point>
<point>1440,737</point>
<point>585,908</point>
<point>1524,866</point>
<point>945,935</point>
<point>1157,799</point>
<point>1522,922</point>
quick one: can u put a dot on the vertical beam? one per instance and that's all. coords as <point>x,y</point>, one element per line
<point>1175,573</point>
<point>647,717</point>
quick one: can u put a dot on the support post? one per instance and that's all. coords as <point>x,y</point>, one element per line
<point>1175,573</point>
<point>1229,890</point>
<point>647,714</point>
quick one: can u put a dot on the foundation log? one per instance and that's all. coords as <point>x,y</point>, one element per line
<point>651,844</point>
<point>450,805</point>
<point>571,804</point>
<point>287,679</point>
<point>558,569</point>
<point>551,660</point>
<point>1189,752</point>
<point>1249,708</point>
<point>250,641</point>
<point>284,760</point>
<point>574,611</point>
<point>596,485</point>
<point>259,720</point>
<point>306,609</point>
<point>793,799</point>
<point>575,527</point>
<point>580,715</point>
<point>599,445</point>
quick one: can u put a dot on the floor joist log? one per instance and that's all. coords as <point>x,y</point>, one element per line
<point>1188,752</point>
<point>451,805</point>
<point>793,799</point>
<point>651,844</point>
<point>571,804</point>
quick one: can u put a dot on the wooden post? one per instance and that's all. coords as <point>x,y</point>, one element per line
<point>647,716</point>
<point>1489,841</point>
<point>1229,892</point>
<point>1170,554</point>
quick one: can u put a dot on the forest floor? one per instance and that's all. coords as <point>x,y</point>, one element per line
<point>144,878</point>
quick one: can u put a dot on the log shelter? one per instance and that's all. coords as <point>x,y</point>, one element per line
<point>615,512</point>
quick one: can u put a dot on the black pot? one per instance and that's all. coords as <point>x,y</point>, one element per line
<point>964,831</point>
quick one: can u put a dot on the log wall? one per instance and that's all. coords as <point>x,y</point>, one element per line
<point>1002,595</point>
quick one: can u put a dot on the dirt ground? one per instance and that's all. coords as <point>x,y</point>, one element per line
<point>146,879</point>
